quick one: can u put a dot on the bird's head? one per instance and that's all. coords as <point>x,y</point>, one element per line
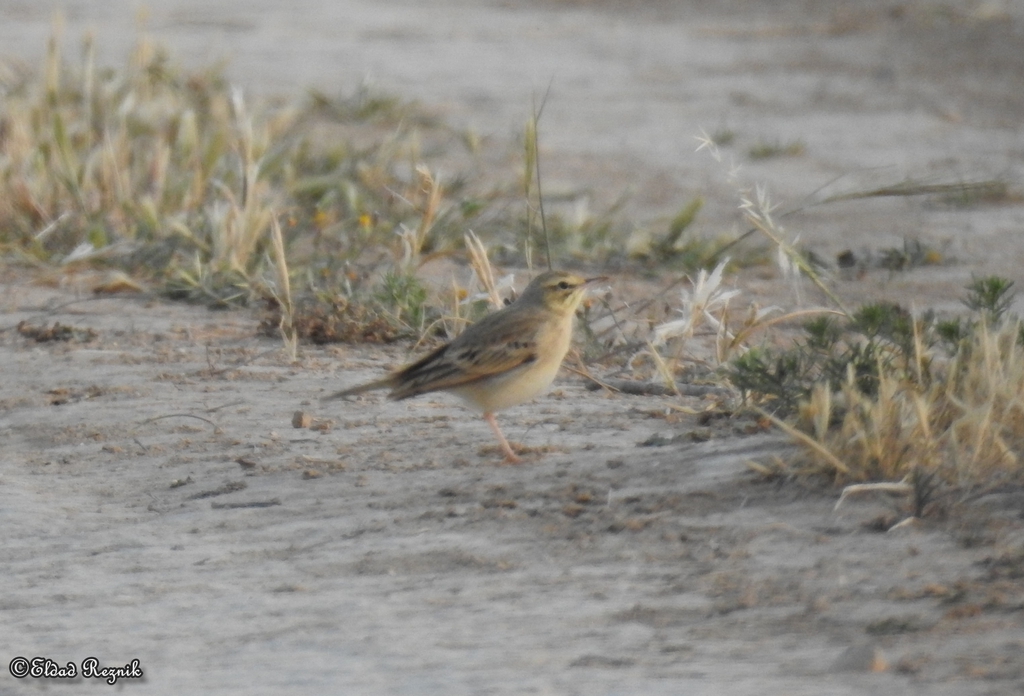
<point>558,291</point>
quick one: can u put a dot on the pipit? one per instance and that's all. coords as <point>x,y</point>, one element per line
<point>506,358</point>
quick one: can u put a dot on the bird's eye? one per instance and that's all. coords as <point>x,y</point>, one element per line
<point>562,285</point>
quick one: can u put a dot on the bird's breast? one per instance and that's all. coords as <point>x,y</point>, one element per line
<point>525,382</point>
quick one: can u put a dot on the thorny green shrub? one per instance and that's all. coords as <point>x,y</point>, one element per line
<point>930,407</point>
<point>876,337</point>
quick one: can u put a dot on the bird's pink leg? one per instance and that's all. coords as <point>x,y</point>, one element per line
<point>510,456</point>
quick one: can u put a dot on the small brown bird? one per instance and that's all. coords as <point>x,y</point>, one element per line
<point>506,358</point>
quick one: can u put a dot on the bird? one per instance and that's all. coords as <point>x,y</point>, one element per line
<point>509,357</point>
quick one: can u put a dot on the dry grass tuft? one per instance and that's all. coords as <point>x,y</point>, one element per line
<point>109,165</point>
<point>174,175</point>
<point>880,399</point>
<point>948,428</point>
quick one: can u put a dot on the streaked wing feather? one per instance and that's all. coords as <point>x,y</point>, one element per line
<point>470,357</point>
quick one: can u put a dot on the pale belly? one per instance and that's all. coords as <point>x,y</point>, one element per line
<point>518,385</point>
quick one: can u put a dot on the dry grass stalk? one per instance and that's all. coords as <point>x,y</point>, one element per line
<point>128,159</point>
<point>708,304</point>
<point>758,211</point>
<point>283,295</point>
<point>427,201</point>
<point>482,269</point>
<point>962,429</point>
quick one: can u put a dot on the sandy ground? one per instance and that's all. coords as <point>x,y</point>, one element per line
<point>158,505</point>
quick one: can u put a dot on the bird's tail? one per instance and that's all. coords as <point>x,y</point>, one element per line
<point>382,383</point>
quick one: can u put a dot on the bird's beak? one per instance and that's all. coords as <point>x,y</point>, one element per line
<point>591,282</point>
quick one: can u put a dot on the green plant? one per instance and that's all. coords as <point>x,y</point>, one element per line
<point>405,297</point>
<point>173,175</point>
<point>940,416</point>
<point>992,296</point>
<point>880,399</point>
<point>768,149</point>
<point>110,163</point>
<point>665,248</point>
<point>723,137</point>
<point>913,254</point>
<point>832,351</point>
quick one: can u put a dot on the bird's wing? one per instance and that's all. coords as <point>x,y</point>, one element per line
<point>480,352</point>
